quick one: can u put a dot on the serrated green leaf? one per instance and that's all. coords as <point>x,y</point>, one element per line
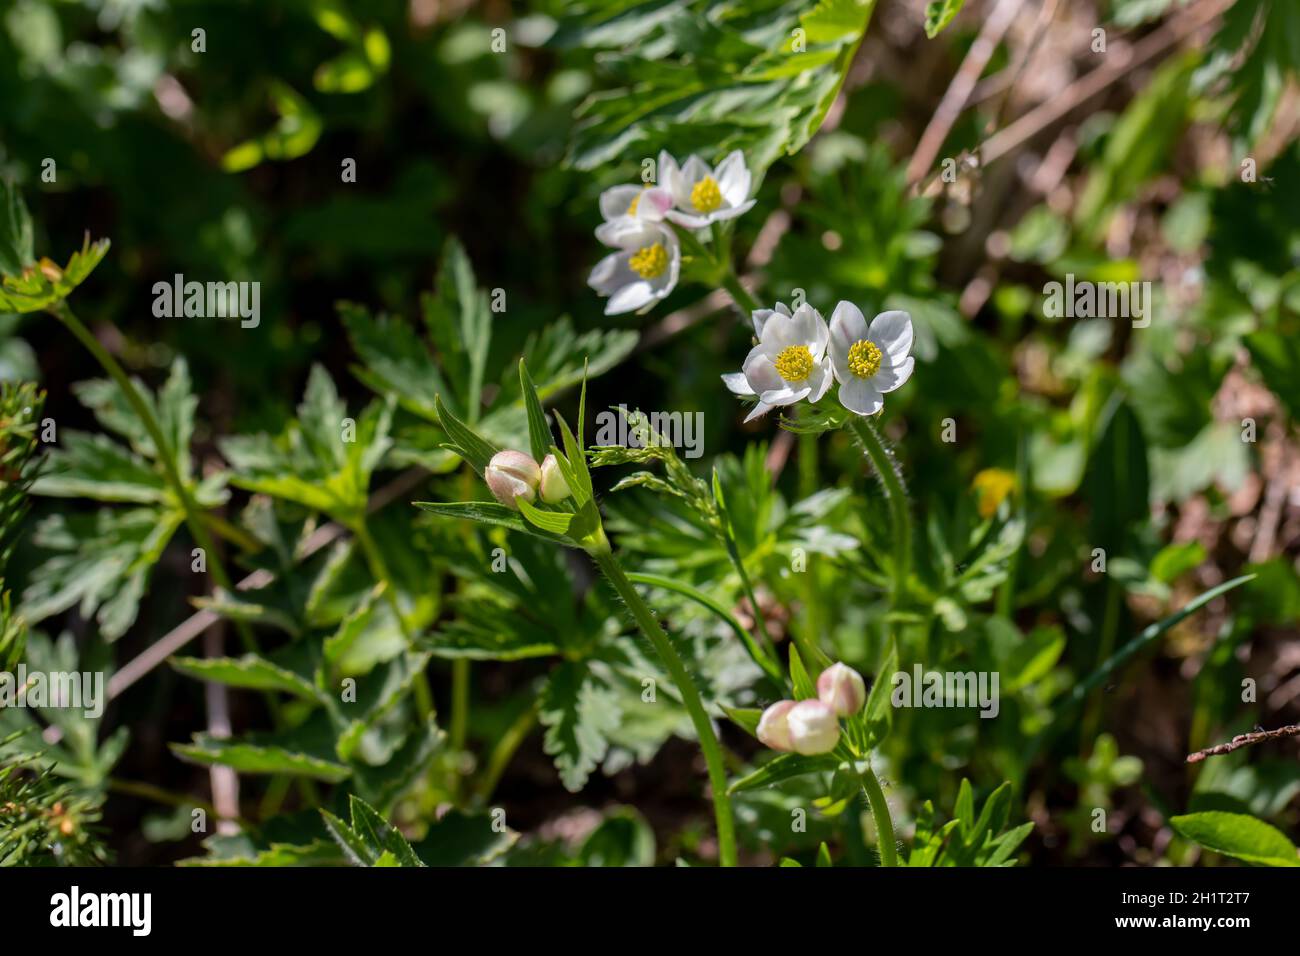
<point>578,713</point>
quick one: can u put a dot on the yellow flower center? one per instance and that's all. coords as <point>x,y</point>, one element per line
<point>649,262</point>
<point>864,358</point>
<point>705,195</point>
<point>795,363</point>
<point>631,209</point>
<point>993,485</point>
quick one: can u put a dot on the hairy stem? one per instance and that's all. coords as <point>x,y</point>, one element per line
<point>713,758</point>
<point>880,813</point>
<point>900,517</point>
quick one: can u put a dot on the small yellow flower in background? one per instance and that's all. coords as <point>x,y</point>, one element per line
<point>993,485</point>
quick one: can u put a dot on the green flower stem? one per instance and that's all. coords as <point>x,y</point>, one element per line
<point>166,454</point>
<point>880,813</point>
<point>866,433</point>
<point>745,302</point>
<point>713,758</point>
<point>379,570</point>
<point>500,756</point>
<point>769,646</point>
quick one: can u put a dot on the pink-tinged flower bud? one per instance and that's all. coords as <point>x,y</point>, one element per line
<point>773,728</point>
<point>841,689</point>
<point>814,728</point>
<point>554,488</point>
<point>510,475</point>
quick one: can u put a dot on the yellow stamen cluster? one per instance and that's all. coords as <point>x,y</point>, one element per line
<point>631,209</point>
<point>864,358</point>
<point>649,262</point>
<point>705,195</point>
<point>795,363</point>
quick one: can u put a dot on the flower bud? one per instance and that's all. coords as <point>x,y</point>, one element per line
<point>814,728</point>
<point>510,475</point>
<point>554,488</point>
<point>773,728</point>
<point>841,689</point>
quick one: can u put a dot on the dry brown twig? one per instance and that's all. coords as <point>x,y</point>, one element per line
<point>1245,740</point>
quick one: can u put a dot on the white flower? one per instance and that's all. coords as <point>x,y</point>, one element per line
<point>636,202</point>
<point>814,728</point>
<point>702,195</point>
<point>788,364</point>
<point>869,361</point>
<point>644,269</point>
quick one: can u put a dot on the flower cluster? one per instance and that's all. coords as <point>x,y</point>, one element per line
<point>797,354</point>
<point>639,224</point>
<point>514,474</point>
<point>812,726</point>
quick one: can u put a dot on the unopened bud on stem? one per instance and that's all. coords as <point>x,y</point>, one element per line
<point>554,488</point>
<point>841,688</point>
<point>510,475</point>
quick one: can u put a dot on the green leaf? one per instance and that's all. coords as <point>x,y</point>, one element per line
<point>1117,482</point>
<point>1149,634</point>
<point>370,840</point>
<point>16,249</point>
<point>746,718</point>
<point>939,13</point>
<point>306,751</point>
<point>879,711</point>
<point>804,687</point>
<point>323,459</point>
<point>101,562</point>
<point>784,767</point>
<point>490,513</point>
<point>622,839</point>
<point>250,672</point>
<point>465,441</point>
<point>461,838</point>
<point>552,522</point>
<point>1238,835</point>
<point>578,713</point>
<point>539,433</point>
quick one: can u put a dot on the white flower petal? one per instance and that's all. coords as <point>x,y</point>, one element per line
<point>784,396</point>
<point>689,220</point>
<point>607,276</point>
<point>820,380</point>
<point>615,201</point>
<point>737,383</point>
<point>655,201</point>
<point>859,396</point>
<point>891,377</point>
<point>892,332</point>
<point>810,330</point>
<point>759,409</point>
<point>668,171</point>
<point>630,298</point>
<point>733,178</point>
<point>848,325</point>
<point>731,212</point>
<point>759,371</point>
